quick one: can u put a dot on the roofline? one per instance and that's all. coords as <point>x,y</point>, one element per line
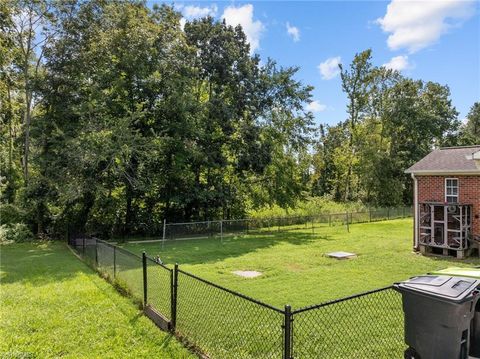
<point>443,172</point>
<point>453,147</point>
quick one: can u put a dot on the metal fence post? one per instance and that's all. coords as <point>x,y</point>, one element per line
<point>369,214</point>
<point>84,244</point>
<point>144,262</point>
<point>164,231</point>
<point>96,253</point>
<point>348,227</point>
<point>174,296</point>
<point>287,331</point>
<point>114,261</point>
<point>221,230</point>
<point>388,212</point>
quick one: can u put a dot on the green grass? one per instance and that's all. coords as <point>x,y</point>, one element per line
<point>294,266</point>
<point>52,305</point>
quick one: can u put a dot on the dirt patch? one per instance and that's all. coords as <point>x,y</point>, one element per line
<point>247,273</point>
<point>295,267</point>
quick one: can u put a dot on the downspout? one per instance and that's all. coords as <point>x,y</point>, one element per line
<point>415,212</point>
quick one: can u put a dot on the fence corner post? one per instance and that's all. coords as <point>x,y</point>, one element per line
<point>144,263</point>
<point>287,331</point>
<point>174,297</point>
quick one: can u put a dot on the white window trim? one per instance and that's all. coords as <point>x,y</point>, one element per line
<point>458,189</point>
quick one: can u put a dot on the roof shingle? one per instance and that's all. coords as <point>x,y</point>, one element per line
<point>448,160</point>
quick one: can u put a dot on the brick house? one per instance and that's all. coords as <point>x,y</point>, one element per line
<point>447,201</point>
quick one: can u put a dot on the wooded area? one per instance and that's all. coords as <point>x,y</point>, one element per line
<point>115,117</point>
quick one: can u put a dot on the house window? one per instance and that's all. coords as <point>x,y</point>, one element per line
<point>451,190</point>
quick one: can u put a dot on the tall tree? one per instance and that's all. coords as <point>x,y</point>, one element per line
<point>30,33</point>
<point>470,132</point>
<point>356,85</point>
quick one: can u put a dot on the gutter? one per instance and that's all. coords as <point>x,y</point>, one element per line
<point>444,172</point>
<point>415,212</point>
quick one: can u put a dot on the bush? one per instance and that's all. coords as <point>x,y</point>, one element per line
<point>10,214</point>
<point>16,232</point>
<point>308,207</point>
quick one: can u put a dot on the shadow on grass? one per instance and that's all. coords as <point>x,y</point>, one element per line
<point>214,249</point>
<point>38,263</point>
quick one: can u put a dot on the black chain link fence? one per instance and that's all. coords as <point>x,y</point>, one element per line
<point>129,272</point>
<point>159,287</point>
<point>226,324</point>
<point>368,325</point>
<point>221,228</point>
<point>222,323</point>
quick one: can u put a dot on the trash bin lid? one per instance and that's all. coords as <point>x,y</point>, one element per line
<point>455,289</point>
<point>471,272</point>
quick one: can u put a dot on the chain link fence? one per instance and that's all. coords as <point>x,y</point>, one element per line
<point>221,228</point>
<point>368,325</point>
<point>220,323</point>
<point>226,324</point>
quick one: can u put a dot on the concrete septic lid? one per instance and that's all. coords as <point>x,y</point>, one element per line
<point>247,273</point>
<point>341,255</point>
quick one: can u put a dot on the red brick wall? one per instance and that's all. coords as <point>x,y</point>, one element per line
<point>432,188</point>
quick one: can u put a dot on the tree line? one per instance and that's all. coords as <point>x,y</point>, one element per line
<point>115,117</point>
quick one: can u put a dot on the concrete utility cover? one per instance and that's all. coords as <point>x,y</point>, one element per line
<point>341,255</point>
<point>247,273</point>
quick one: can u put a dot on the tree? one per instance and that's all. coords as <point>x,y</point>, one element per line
<point>30,30</point>
<point>356,84</point>
<point>470,132</point>
<point>393,122</point>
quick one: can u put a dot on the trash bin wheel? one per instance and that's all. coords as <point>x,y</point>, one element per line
<point>411,353</point>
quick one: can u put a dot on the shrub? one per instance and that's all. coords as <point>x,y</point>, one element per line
<point>308,207</point>
<point>11,214</point>
<point>16,232</point>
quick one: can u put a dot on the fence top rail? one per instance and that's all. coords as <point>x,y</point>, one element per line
<point>243,296</point>
<point>317,306</point>
<point>150,259</point>
<point>195,222</point>
<point>123,250</point>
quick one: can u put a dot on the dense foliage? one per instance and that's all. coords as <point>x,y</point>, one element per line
<point>114,117</point>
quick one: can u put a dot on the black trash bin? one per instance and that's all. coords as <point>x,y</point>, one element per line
<point>438,311</point>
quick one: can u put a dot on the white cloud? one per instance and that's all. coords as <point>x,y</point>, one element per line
<point>182,23</point>
<point>329,68</point>
<point>316,106</point>
<point>243,16</point>
<point>194,12</point>
<point>414,25</point>
<point>294,32</point>
<point>398,63</point>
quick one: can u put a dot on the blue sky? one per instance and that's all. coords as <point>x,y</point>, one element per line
<point>429,40</point>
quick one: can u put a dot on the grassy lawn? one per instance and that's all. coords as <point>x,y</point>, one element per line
<point>294,266</point>
<point>52,305</point>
